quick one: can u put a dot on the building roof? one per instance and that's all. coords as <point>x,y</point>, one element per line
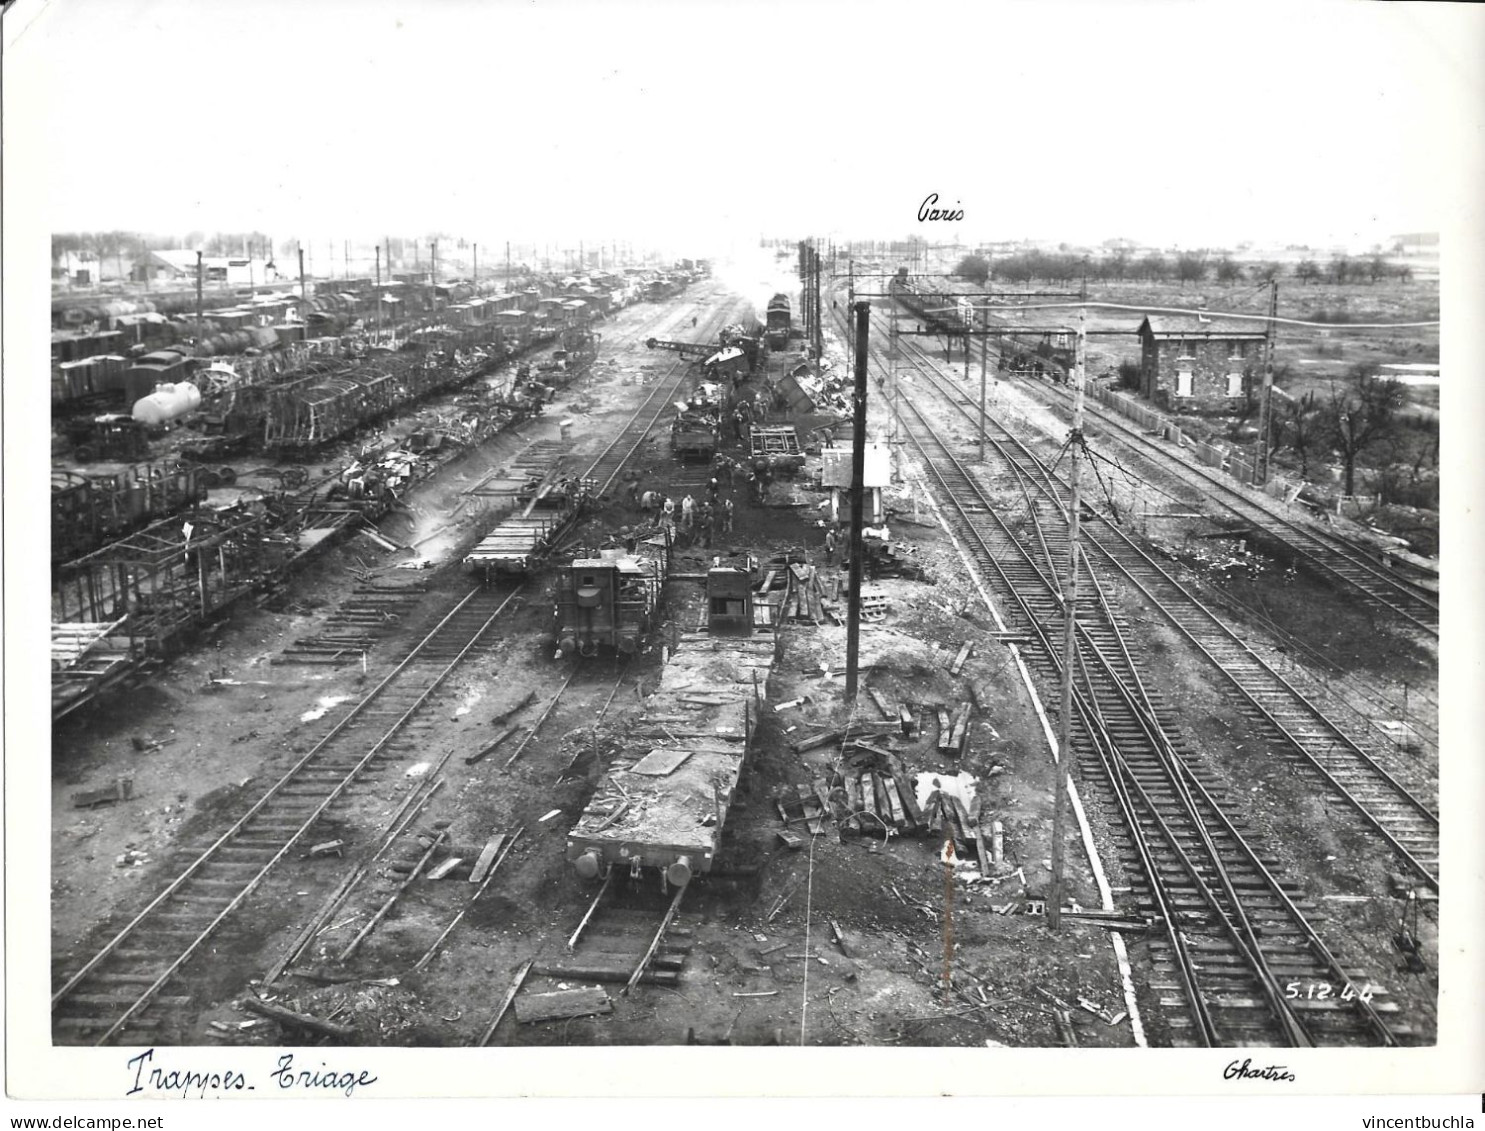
<point>1198,326</point>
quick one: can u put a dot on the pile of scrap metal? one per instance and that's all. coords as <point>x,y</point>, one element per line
<point>888,559</point>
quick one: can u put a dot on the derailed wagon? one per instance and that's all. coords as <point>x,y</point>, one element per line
<point>664,810</point>
<point>608,600</point>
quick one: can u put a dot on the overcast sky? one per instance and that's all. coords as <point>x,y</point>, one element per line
<point>1201,124</point>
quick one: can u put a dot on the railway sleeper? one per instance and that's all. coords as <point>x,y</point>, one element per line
<point>93,1024</point>
<point>112,1001</point>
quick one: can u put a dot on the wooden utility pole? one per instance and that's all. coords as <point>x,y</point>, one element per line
<point>948,915</point>
<point>198,294</point>
<point>850,304</point>
<point>378,292</point>
<point>984,348</point>
<point>303,294</point>
<point>858,492</point>
<point>1265,403</point>
<point>1069,637</point>
<point>435,262</point>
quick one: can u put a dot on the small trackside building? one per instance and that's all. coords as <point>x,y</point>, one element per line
<point>1195,363</point>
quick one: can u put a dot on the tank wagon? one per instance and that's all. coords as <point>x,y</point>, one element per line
<point>608,601</point>
<point>663,811</point>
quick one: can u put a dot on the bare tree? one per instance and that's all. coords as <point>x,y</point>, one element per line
<point>1229,272</point>
<point>1298,426</point>
<point>1191,267</point>
<point>1153,268</point>
<point>1361,410</point>
<point>1307,271</point>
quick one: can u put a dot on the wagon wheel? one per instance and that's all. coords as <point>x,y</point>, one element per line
<point>226,475</point>
<point>295,477</point>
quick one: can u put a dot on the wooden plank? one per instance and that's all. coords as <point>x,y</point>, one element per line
<point>822,794</point>
<point>964,654</point>
<point>298,1020</point>
<point>894,803</point>
<point>490,746</point>
<point>959,731</point>
<point>961,818</point>
<point>594,970</point>
<point>445,868</point>
<point>659,763</point>
<point>881,703</point>
<point>945,728</point>
<point>486,858</point>
<point>909,800</point>
<point>793,841</point>
<point>840,939</point>
<point>806,803</point>
<point>562,1004</point>
<point>817,740</point>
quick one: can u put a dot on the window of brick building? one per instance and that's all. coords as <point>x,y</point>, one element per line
<point>1183,381</point>
<point>1234,384</point>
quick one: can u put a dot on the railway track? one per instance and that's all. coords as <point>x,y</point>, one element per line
<point>121,990</point>
<point>1385,791</point>
<point>1324,554</point>
<point>1239,962</point>
<point>605,469</point>
<point>109,995</point>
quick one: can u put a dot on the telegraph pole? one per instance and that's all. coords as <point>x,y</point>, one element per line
<point>858,492</point>
<point>850,305</point>
<point>378,293</point>
<point>434,244</point>
<point>1069,638</point>
<point>1265,403</point>
<point>303,294</point>
<point>984,347</point>
<point>198,294</point>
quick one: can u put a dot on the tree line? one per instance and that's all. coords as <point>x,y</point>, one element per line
<point>120,246</point>
<point>1064,269</point>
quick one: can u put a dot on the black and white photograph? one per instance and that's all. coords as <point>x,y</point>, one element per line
<point>593,544</point>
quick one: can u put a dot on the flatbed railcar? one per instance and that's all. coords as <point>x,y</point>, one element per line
<point>663,812</point>
<point>519,543</point>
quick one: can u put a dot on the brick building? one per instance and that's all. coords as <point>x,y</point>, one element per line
<point>1193,363</point>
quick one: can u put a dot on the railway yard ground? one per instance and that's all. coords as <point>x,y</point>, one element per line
<point>840,938</point>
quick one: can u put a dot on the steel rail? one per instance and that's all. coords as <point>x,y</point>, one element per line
<point>1349,747</point>
<point>1244,937</point>
<point>207,856</point>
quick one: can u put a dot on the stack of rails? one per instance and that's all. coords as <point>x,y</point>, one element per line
<point>666,810</point>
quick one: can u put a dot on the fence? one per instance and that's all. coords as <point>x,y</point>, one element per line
<point>1239,467</point>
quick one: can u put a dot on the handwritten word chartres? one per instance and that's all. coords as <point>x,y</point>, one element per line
<point>926,211</point>
<point>220,1082</point>
<point>1243,1071</point>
